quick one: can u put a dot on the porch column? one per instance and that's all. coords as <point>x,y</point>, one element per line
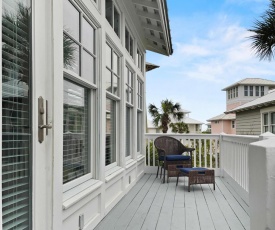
<point>261,162</point>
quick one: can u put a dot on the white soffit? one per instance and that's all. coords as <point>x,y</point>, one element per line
<point>153,15</point>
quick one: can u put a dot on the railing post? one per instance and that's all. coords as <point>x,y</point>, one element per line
<point>221,155</point>
<point>261,163</point>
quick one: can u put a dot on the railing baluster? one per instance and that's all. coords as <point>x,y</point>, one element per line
<point>200,140</point>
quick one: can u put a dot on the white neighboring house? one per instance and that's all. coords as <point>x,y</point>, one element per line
<point>194,126</point>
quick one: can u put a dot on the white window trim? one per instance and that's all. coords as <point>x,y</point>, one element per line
<point>268,110</point>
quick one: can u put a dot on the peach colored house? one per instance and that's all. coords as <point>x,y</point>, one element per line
<point>238,94</point>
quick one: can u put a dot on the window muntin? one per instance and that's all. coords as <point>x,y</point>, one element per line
<point>75,132</point>
<point>251,91</point>
<point>79,43</point>
<point>112,15</point>
<point>246,90</point>
<point>112,71</point>
<point>111,126</point>
<point>129,42</point>
<point>129,85</point>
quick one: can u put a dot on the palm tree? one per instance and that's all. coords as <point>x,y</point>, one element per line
<point>179,127</point>
<point>263,40</point>
<point>161,117</point>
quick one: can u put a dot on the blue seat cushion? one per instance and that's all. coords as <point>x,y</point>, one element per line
<point>177,158</point>
<point>187,170</point>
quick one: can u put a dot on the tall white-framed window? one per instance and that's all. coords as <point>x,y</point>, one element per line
<point>113,74</point>
<point>129,95</point>
<point>129,42</point>
<point>140,86</point>
<point>79,96</point>
<point>113,16</point>
<point>265,122</point>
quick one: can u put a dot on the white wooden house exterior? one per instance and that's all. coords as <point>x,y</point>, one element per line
<point>72,138</point>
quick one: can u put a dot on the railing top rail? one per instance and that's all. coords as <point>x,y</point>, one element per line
<point>189,135</point>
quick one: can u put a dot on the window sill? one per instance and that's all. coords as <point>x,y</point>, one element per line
<point>130,163</point>
<point>112,173</point>
<point>76,194</point>
<point>140,158</point>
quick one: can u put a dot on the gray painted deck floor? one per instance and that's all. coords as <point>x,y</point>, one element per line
<point>153,205</point>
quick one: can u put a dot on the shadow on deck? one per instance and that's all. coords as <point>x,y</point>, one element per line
<point>153,205</point>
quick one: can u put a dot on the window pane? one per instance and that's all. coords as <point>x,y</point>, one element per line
<point>262,90</point>
<point>108,57</point>
<point>88,33</point>
<point>139,126</point>
<point>257,91</point>
<point>116,21</point>
<point>127,40</point>
<point>88,67</point>
<point>128,132</point>
<point>251,90</point>
<point>110,149</point>
<point>71,54</point>
<point>131,47</point>
<point>75,132</point>
<point>115,85</point>
<point>108,11</point>
<point>115,63</point>
<point>71,19</point>
<point>265,119</point>
<point>16,115</point>
<point>109,80</point>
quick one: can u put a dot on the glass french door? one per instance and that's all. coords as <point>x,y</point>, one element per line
<point>16,115</point>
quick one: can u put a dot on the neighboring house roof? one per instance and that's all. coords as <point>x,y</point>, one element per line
<point>185,111</point>
<point>155,23</point>
<point>150,66</point>
<point>190,121</point>
<point>251,81</point>
<point>230,116</point>
<point>264,101</point>
<point>150,125</point>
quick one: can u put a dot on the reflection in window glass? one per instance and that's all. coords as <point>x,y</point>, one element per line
<point>108,11</point>
<point>110,148</point>
<point>129,86</point>
<point>71,55</point>
<point>108,80</point>
<point>88,67</point>
<point>115,63</point>
<point>116,21</point>
<point>109,57</point>
<point>75,132</point>
<point>128,131</point>
<point>71,19</point>
<point>88,36</point>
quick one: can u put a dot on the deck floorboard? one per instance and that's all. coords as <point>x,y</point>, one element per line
<point>152,205</point>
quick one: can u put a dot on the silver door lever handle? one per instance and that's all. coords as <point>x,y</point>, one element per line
<point>49,126</point>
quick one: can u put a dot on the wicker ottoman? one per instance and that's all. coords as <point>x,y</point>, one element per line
<point>197,176</point>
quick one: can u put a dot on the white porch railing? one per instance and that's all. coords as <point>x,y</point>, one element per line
<point>206,154</point>
<point>227,154</point>
<point>234,160</point>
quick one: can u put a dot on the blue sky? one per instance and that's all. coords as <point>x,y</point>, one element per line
<point>211,51</point>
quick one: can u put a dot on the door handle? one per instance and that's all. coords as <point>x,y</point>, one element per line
<point>41,125</point>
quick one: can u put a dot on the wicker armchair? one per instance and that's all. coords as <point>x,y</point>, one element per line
<point>170,152</point>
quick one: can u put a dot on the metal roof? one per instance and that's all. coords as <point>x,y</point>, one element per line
<point>153,15</point>
<point>230,116</point>
<point>251,81</point>
<point>264,101</point>
<point>188,120</point>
